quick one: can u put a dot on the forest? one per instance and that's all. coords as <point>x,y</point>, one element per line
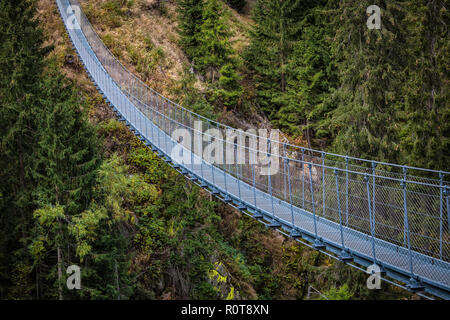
<point>79,189</point>
<point>318,72</point>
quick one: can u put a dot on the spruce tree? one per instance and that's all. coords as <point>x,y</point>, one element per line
<point>68,155</point>
<point>205,38</point>
<point>230,89</point>
<point>21,65</point>
<point>277,26</point>
<point>49,157</point>
<point>214,49</point>
<point>189,23</point>
<point>425,118</point>
<point>65,169</point>
<point>370,66</point>
<point>310,78</point>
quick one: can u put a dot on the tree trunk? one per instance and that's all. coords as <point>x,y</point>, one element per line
<point>37,282</point>
<point>59,273</point>
<point>117,280</point>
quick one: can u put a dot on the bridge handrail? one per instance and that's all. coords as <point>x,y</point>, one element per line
<point>344,158</point>
<point>283,158</point>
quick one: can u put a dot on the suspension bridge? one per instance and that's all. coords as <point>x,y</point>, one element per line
<point>390,218</point>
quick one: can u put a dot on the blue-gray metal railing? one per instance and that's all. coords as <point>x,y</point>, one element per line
<point>397,207</point>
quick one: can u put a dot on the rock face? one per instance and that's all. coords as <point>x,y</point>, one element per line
<point>219,278</point>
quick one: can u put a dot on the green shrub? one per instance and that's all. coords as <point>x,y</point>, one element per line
<point>343,293</point>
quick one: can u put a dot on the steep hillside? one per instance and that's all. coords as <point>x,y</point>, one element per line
<point>182,243</point>
<point>144,38</point>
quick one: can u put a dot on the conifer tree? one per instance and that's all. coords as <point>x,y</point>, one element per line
<point>65,168</point>
<point>229,88</point>
<point>49,159</point>
<point>189,23</point>
<point>21,64</point>
<point>310,77</point>
<point>208,45</point>
<point>425,118</point>
<point>370,66</point>
<point>193,97</point>
<point>277,26</point>
<point>67,157</point>
<point>214,49</point>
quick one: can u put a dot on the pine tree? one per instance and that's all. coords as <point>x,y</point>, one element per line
<point>229,88</point>
<point>277,26</point>
<point>310,77</point>
<point>189,23</point>
<point>370,66</point>
<point>21,65</point>
<point>425,118</point>
<point>214,49</point>
<point>66,165</point>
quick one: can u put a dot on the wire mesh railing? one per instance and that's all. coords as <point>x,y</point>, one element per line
<point>402,205</point>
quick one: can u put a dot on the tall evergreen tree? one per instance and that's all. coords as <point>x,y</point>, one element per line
<point>189,23</point>
<point>310,77</point>
<point>68,155</point>
<point>277,26</point>
<point>214,49</point>
<point>66,163</point>
<point>21,65</point>
<point>425,118</point>
<point>49,162</point>
<point>370,69</point>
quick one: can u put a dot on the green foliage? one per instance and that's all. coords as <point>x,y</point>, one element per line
<point>22,56</point>
<point>320,73</point>
<point>54,211</point>
<point>48,217</point>
<point>214,49</point>
<point>370,71</point>
<point>303,105</point>
<point>277,26</point>
<point>342,293</point>
<point>154,170</point>
<point>204,35</point>
<point>84,229</point>
<point>425,124</point>
<point>379,94</point>
<point>205,291</point>
<point>19,276</point>
<point>67,158</point>
<point>189,17</point>
<point>186,216</point>
<point>113,12</point>
<point>192,97</point>
<point>105,273</point>
<point>148,59</point>
<point>229,88</point>
<point>111,126</point>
